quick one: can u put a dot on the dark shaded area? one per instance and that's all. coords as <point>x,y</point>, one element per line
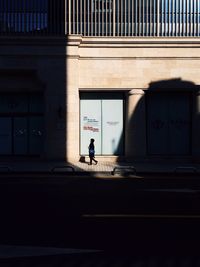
<point>102,259</point>
<point>32,17</point>
<point>36,74</point>
<point>174,84</point>
<point>138,217</point>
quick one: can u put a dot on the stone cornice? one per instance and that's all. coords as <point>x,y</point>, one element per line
<point>33,41</point>
<point>139,42</point>
<point>79,47</point>
<point>142,48</point>
<point>83,41</point>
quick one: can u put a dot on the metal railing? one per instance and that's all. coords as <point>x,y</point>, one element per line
<point>148,18</point>
<point>179,18</point>
<point>33,17</point>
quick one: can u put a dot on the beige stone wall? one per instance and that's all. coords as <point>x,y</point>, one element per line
<point>138,62</point>
<point>131,64</point>
<point>134,73</point>
<point>66,67</point>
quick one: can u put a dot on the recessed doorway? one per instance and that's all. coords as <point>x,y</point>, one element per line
<point>169,123</point>
<point>101,118</point>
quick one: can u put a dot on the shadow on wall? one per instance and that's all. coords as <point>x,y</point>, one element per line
<point>56,102</point>
<point>36,59</point>
<point>33,101</point>
<point>163,121</point>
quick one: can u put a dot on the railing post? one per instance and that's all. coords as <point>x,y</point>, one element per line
<point>65,16</point>
<point>158,17</point>
<point>114,16</point>
<point>197,18</point>
<point>69,17</point>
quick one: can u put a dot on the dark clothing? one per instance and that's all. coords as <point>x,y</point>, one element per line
<point>92,153</point>
<point>91,150</point>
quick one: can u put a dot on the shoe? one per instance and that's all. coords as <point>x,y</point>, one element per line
<point>96,162</point>
<point>89,163</point>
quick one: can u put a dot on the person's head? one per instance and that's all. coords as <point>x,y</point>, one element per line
<point>92,140</point>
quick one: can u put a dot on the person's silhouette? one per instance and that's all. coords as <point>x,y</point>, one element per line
<point>92,152</point>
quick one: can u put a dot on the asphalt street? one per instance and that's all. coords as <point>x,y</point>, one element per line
<point>130,215</point>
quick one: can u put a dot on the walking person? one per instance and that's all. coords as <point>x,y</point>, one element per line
<point>92,152</point>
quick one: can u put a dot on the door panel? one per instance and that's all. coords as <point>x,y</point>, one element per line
<point>179,124</point>
<point>112,123</point>
<point>36,135</point>
<point>20,138</point>
<point>18,111</point>
<point>157,125</point>
<point>90,125</point>
<point>5,136</point>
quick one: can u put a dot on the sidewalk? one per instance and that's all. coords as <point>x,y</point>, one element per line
<point>101,167</point>
<point>140,167</point>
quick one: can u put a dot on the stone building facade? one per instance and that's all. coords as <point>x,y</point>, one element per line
<point>133,85</point>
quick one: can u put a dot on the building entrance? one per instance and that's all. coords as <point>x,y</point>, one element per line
<point>101,118</point>
<point>21,124</point>
<point>169,123</point>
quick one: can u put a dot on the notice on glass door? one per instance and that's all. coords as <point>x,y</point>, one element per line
<point>90,124</point>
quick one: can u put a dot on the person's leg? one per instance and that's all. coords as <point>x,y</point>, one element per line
<point>90,161</point>
<point>95,160</point>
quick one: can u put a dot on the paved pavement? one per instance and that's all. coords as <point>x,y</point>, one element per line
<point>146,167</point>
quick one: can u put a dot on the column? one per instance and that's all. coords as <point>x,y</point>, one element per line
<point>135,137</point>
<point>72,99</point>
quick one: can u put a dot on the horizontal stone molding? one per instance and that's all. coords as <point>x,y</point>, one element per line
<point>140,42</point>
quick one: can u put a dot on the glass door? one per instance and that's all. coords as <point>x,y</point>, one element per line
<point>101,118</point>
<point>20,135</point>
<point>157,128</point>
<point>179,124</point>
<point>21,124</point>
<point>169,123</point>
<point>36,135</point>
<point>90,124</point>
<point>112,124</point>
